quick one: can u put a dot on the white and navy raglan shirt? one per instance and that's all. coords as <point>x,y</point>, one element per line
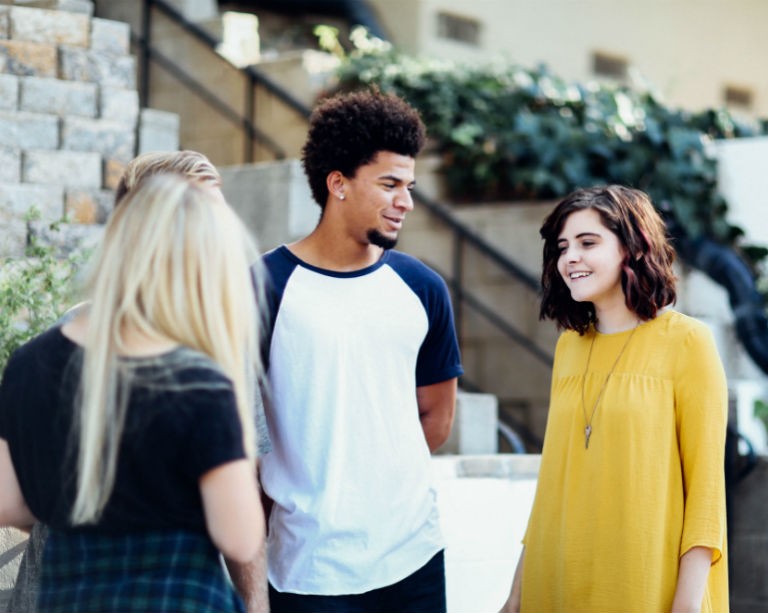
<point>349,470</point>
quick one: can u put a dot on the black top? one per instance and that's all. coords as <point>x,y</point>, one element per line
<point>181,422</point>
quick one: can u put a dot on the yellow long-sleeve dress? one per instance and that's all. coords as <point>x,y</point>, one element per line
<point>609,523</point>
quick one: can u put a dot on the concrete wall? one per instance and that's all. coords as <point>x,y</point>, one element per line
<point>273,199</point>
<point>689,50</point>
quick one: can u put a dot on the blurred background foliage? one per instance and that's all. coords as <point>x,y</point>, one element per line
<point>36,289</point>
<point>504,132</point>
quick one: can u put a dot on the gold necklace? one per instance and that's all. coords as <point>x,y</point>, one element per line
<point>588,422</point>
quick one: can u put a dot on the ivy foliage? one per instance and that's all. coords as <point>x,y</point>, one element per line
<point>504,132</point>
<point>35,290</point>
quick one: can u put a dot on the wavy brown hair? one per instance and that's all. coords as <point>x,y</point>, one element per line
<point>646,279</point>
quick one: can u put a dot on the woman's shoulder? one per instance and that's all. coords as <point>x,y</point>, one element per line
<point>679,326</point>
<point>48,344</point>
<point>569,338</point>
<point>181,369</point>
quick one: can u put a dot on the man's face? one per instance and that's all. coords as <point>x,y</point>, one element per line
<point>377,199</point>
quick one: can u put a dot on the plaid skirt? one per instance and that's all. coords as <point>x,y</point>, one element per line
<point>144,572</point>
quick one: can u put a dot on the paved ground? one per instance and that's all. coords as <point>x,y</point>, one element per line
<point>483,516</point>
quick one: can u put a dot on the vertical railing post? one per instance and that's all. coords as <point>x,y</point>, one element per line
<point>144,52</point>
<point>458,285</point>
<point>250,120</point>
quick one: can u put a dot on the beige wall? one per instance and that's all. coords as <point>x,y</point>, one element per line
<point>688,49</point>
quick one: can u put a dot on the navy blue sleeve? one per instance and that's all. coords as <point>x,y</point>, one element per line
<point>278,265</point>
<point>439,358</point>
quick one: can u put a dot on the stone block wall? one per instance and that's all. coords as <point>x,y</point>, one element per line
<point>69,115</point>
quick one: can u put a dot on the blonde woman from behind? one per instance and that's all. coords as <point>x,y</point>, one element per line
<point>129,430</point>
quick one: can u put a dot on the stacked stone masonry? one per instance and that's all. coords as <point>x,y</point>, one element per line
<point>69,115</point>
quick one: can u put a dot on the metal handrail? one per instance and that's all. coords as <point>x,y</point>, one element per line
<point>253,77</point>
<point>254,74</point>
<point>508,329</point>
<point>465,233</point>
<point>492,317</point>
<point>251,130</point>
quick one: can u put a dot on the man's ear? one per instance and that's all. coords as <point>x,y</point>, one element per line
<point>336,183</point>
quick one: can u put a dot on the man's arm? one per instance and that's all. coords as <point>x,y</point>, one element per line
<point>437,406</point>
<point>250,578</point>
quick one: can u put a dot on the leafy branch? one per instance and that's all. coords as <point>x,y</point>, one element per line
<point>504,132</point>
<point>35,290</point>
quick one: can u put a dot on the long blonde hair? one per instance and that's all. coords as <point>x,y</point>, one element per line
<point>173,264</point>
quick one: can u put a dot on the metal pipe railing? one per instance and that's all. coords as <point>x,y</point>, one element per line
<point>463,236</point>
<point>443,213</point>
<point>148,54</point>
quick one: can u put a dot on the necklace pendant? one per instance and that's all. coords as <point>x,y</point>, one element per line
<point>587,434</point>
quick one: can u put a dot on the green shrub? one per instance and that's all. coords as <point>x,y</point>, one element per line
<point>504,132</point>
<point>35,291</point>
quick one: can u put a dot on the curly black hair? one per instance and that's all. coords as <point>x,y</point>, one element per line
<point>346,132</point>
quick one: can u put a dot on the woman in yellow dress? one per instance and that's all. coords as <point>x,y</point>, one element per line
<point>629,514</point>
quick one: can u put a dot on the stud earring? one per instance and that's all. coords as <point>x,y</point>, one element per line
<point>341,196</point>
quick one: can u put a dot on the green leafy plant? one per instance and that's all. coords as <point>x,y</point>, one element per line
<point>504,132</point>
<point>35,290</point>
<point>761,411</point>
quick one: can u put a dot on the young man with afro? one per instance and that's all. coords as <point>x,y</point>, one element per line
<point>363,362</point>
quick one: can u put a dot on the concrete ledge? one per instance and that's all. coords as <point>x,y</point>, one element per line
<point>475,426</point>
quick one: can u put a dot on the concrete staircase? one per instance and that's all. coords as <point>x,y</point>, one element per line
<point>222,105</point>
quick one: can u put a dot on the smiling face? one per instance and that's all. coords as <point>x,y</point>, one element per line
<point>591,260</point>
<point>377,199</point>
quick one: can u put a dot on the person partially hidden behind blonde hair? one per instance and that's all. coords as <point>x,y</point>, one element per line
<point>197,168</point>
<point>129,430</point>
<point>189,164</point>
